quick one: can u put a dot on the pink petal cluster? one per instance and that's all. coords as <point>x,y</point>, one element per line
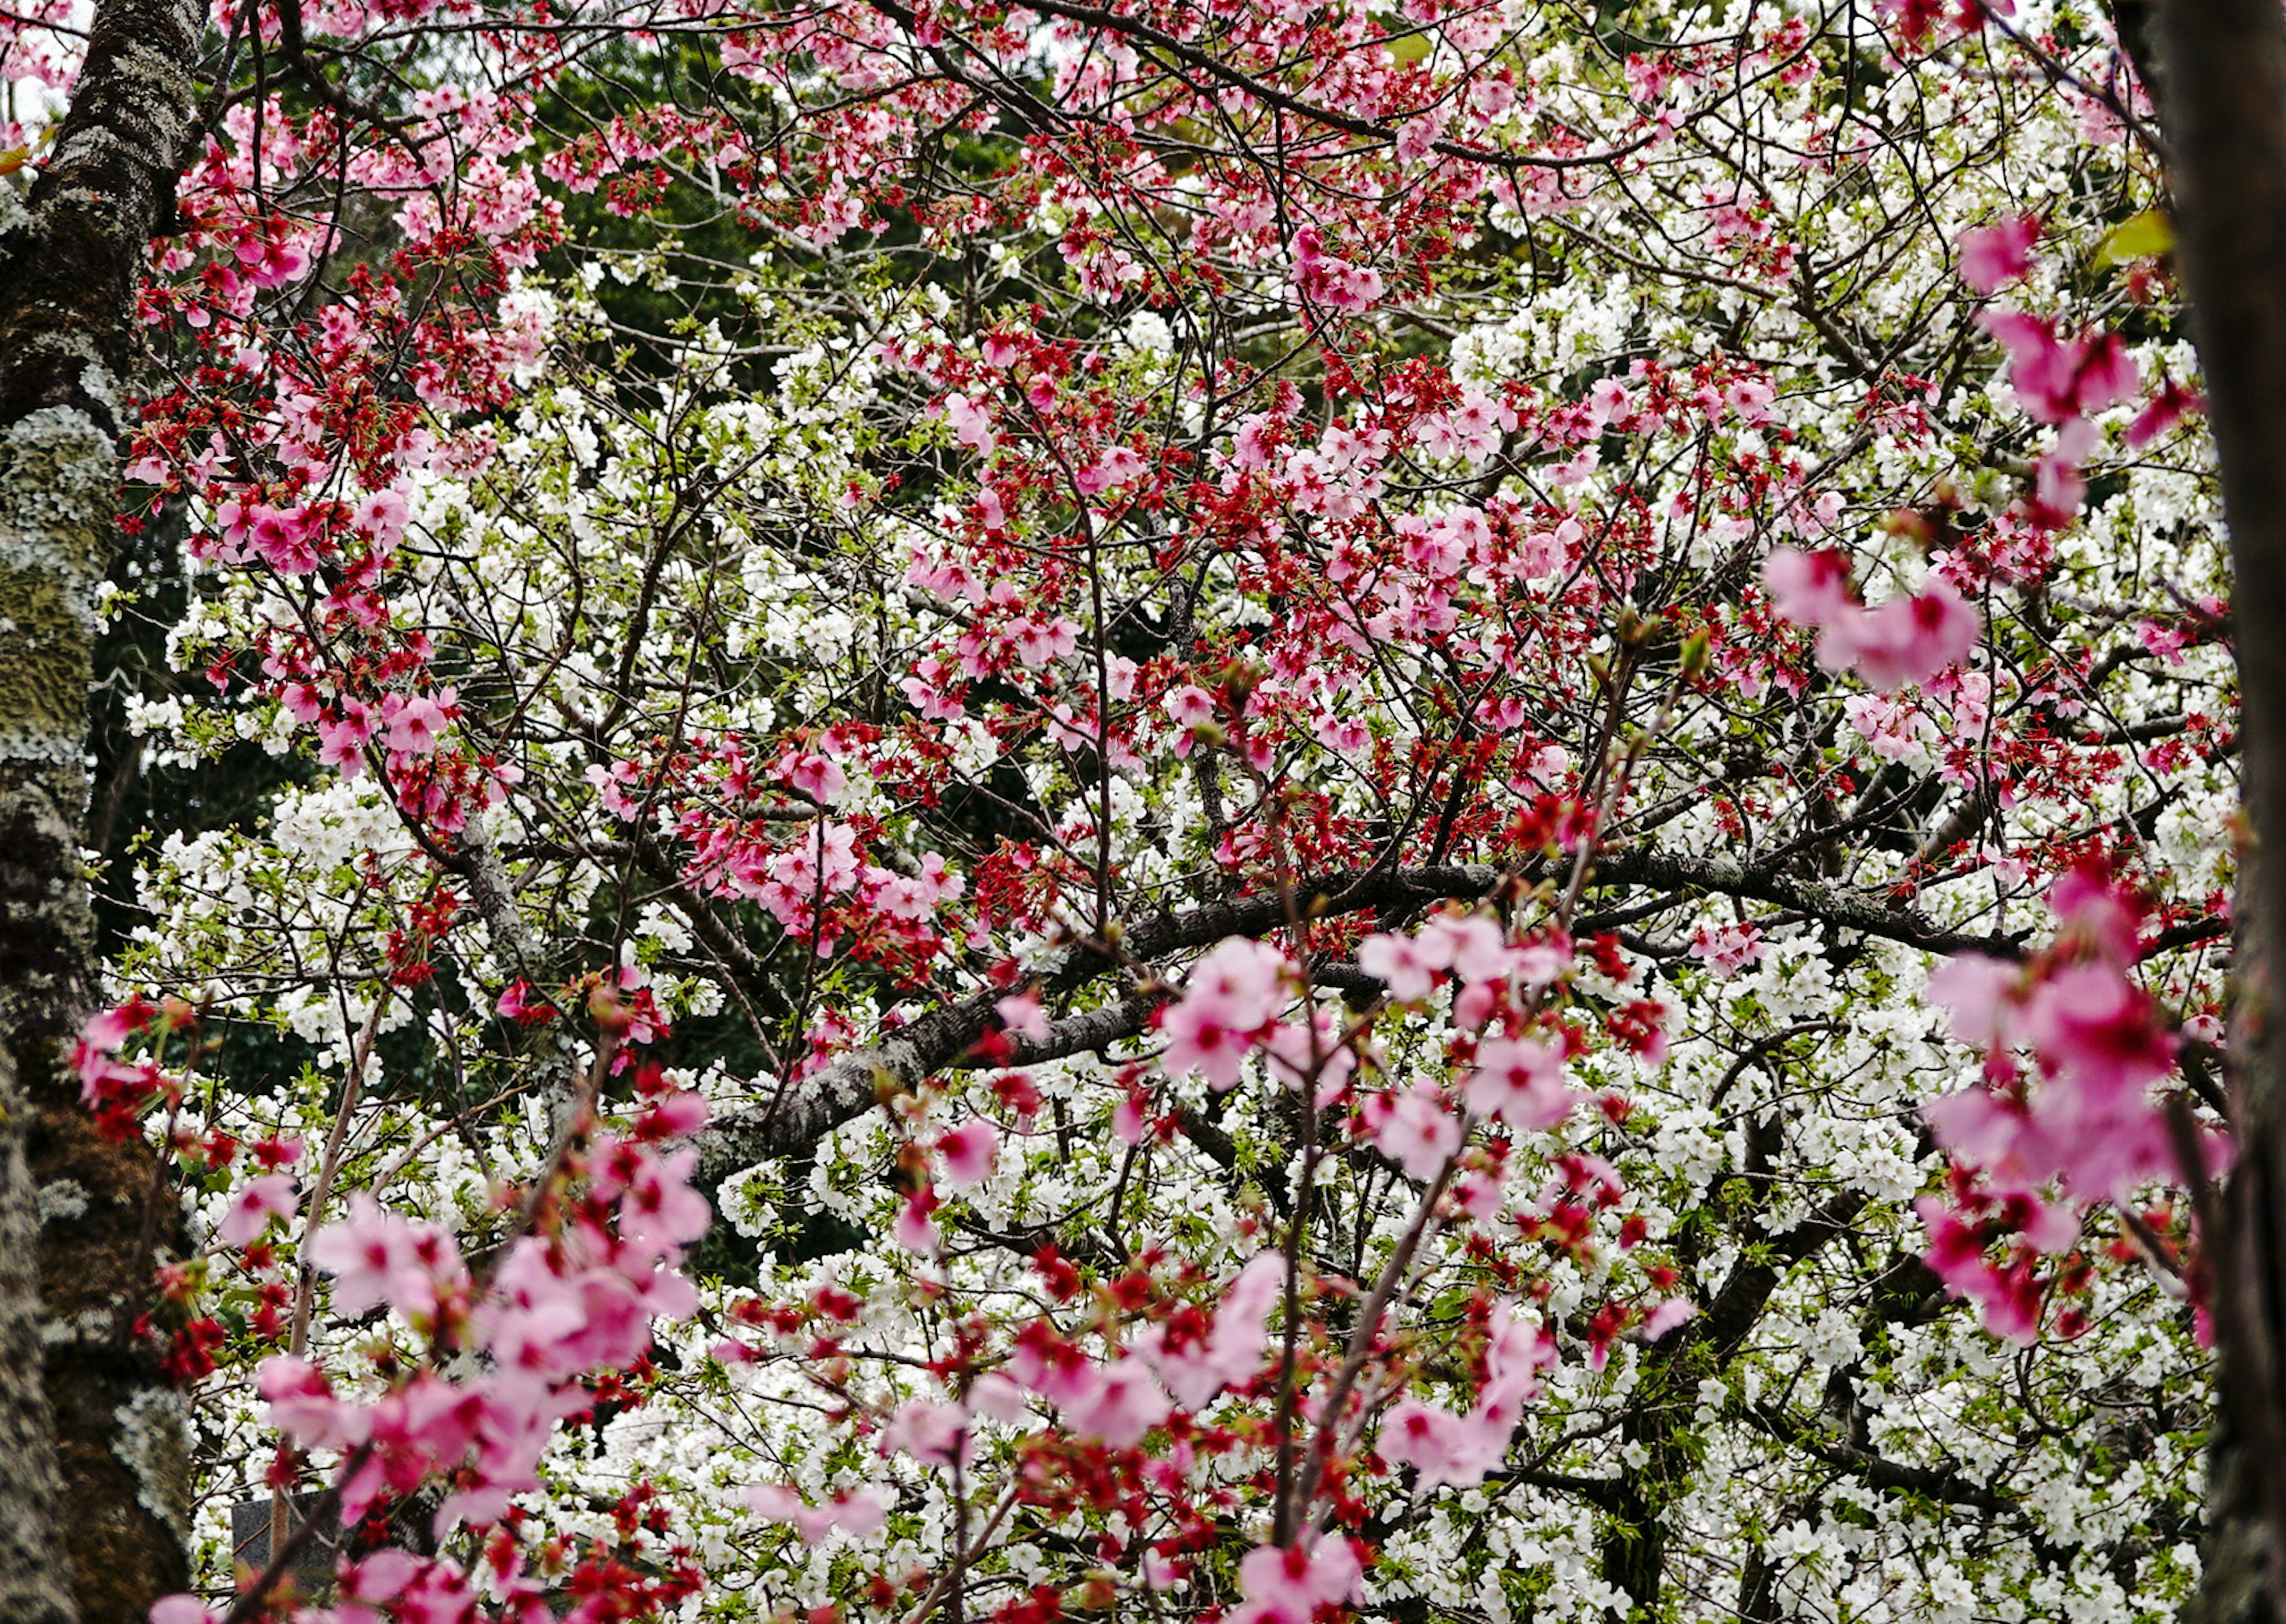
<point>1905,641</point>
<point>272,1196</point>
<point>1732,948</point>
<point>1112,1402</point>
<point>558,1306</point>
<point>1416,1127</point>
<point>858,1512</point>
<point>1993,255</point>
<point>968,1153</point>
<point>115,1089</point>
<point>1290,1584</point>
<point>1325,280</point>
<point>1229,1001</point>
<point>1520,1081</point>
<point>1471,947</point>
<point>1229,1352</point>
<point>2081,1122</point>
<point>1459,1448</point>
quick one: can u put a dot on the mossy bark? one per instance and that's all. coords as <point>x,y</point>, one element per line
<point>91,1503</point>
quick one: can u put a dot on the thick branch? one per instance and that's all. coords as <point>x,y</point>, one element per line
<point>806,1112</point>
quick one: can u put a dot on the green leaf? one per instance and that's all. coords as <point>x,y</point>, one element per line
<point>2147,236</point>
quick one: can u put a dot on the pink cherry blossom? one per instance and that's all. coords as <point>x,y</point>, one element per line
<point>1231,995</point>
<point>1288,1584</point>
<point>928,1431</point>
<point>1408,965</point>
<point>1907,639</point>
<point>858,1513</point>
<point>1519,1080</point>
<point>1993,255</point>
<point>1414,1128</point>
<point>971,426</point>
<point>1117,1405</point>
<point>1021,1013</point>
<point>1666,1315</point>
<point>1810,588</point>
<point>1231,1351</point>
<point>413,723</point>
<point>376,1256</point>
<point>273,1195</point>
<point>967,1153</point>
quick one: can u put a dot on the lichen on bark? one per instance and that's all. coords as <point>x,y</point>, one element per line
<point>86,1420</point>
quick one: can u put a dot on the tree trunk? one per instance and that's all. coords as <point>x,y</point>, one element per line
<point>2223,112</point>
<point>97,1419</point>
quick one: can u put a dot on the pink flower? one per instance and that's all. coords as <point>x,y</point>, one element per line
<point>1978,991</point>
<point>382,1576</point>
<point>519,1002</point>
<point>1021,1013</point>
<point>858,1514</point>
<point>2092,909</point>
<point>817,777</point>
<point>1117,1405</point>
<point>972,425</point>
<point>1229,996</point>
<point>1472,944</point>
<point>928,1431</point>
<point>285,540</point>
<point>968,1152</point>
<point>1420,1436</point>
<point>1444,1447</point>
<point>1809,588</point>
<point>1408,965</point>
<point>2056,381</point>
<point>1734,947</point>
<point>2100,1040</point>
<point>1199,1041</point>
<point>1416,1130</point>
<point>657,1208</point>
<point>2009,1297</point>
<point>1750,399</point>
<point>2168,407</point>
<point>1519,1080</point>
<point>113,1027</point>
<point>1189,706</point>
<point>340,742</point>
<point>413,722</point>
<point>271,1196</point>
<point>2090,1021</point>
<point>1117,467</point>
<point>1196,1369</point>
<point>381,516</point>
<point>1666,1315</point>
<point>1291,1582</point>
<point>376,1256</point>
<point>304,1408</point>
<point>1993,255</point>
<point>915,1230</point>
<point>1905,641</point>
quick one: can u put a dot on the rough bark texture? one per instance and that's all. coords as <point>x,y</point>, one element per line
<point>2224,113</point>
<point>92,1416</point>
<point>32,1586</point>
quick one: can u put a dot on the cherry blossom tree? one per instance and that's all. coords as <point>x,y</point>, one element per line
<point>959,812</point>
